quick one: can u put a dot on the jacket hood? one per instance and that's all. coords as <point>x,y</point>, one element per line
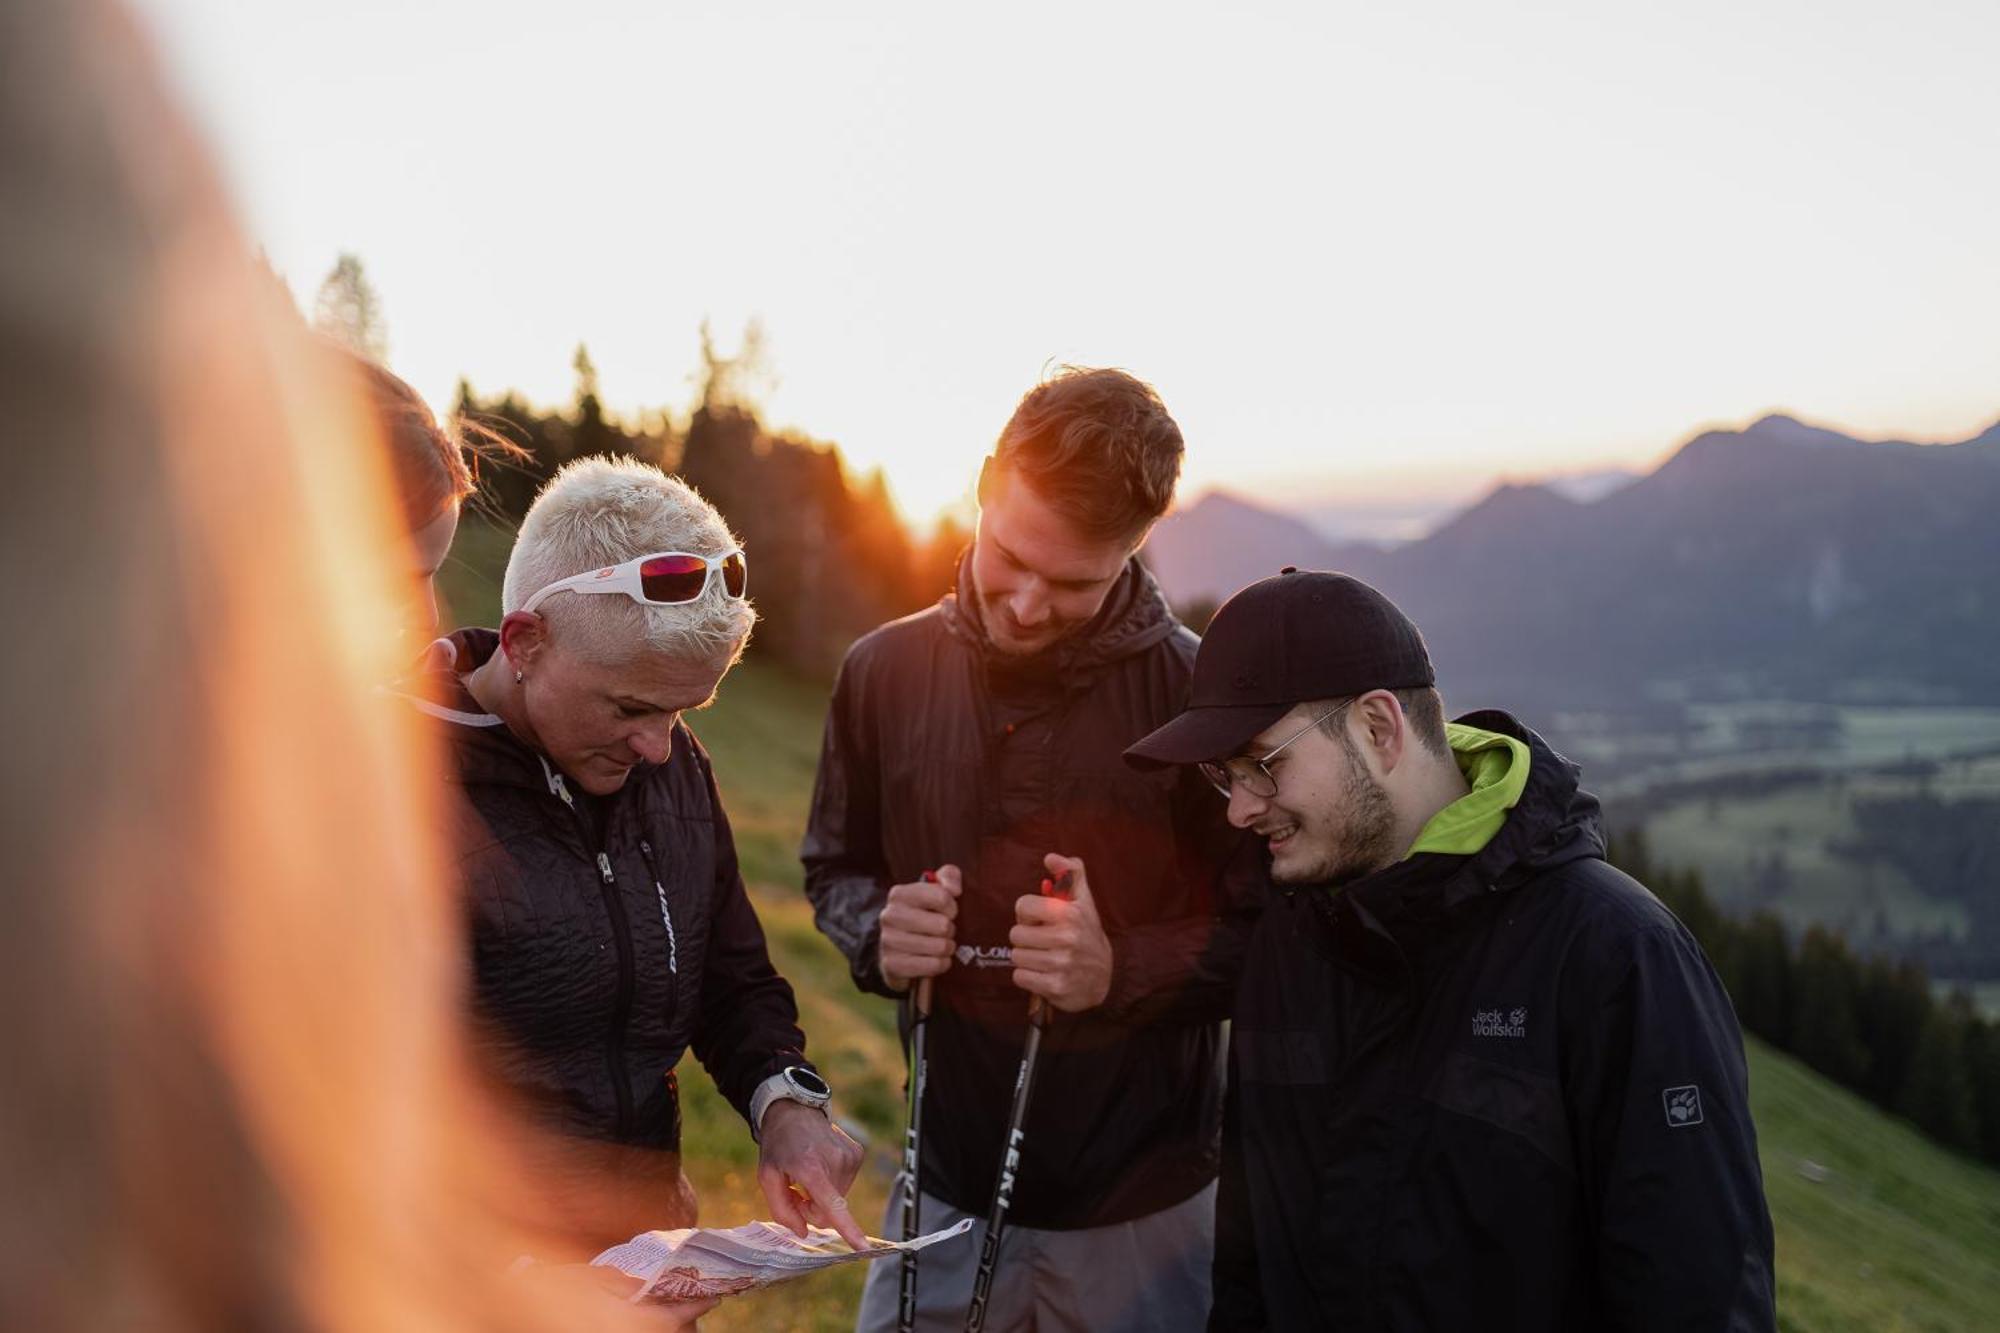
<point>482,749</point>
<point>1554,822</point>
<point>1496,772</point>
<point>1133,618</point>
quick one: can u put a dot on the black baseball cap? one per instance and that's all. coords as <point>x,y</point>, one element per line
<point>1283,641</point>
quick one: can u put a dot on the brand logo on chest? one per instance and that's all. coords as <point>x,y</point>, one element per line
<point>1500,1023</point>
<point>970,955</point>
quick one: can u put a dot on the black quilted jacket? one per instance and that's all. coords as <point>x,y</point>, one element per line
<point>609,934</point>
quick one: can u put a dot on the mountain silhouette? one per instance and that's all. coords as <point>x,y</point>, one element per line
<point>1782,560</point>
<point>1221,542</point>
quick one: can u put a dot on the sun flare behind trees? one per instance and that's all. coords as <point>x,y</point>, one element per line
<point>830,558</point>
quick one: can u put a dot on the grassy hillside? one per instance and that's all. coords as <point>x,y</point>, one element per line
<point>764,735</point>
<point>1878,1229</point>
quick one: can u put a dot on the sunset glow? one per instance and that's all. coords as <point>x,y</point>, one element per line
<point>1360,251</point>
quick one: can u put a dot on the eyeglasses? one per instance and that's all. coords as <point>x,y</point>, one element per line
<point>1254,775</point>
<point>667,578</point>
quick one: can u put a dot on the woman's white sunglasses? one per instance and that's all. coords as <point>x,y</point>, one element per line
<point>666,578</point>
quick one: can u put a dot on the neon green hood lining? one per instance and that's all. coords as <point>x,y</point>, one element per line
<point>1497,768</point>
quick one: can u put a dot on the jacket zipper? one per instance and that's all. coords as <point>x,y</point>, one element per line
<point>621,935</point>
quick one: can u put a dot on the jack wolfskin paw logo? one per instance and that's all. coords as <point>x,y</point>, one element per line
<point>1683,1106</point>
<point>966,953</point>
<point>1519,1018</point>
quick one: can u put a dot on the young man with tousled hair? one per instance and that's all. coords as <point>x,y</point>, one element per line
<point>971,751</point>
<point>1479,1078</point>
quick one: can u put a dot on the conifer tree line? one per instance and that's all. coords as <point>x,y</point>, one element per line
<point>1873,1025</point>
<point>829,556</point>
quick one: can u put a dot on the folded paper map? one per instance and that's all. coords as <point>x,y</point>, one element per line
<point>692,1264</point>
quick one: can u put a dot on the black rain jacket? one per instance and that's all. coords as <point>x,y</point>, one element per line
<point>938,751</point>
<point>1498,1091</point>
<point>609,934</point>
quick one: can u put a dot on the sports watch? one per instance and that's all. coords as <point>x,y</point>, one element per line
<point>794,1083</point>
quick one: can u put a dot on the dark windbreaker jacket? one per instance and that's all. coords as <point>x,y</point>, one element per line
<point>609,934</point>
<point>939,752</point>
<point>1498,1091</point>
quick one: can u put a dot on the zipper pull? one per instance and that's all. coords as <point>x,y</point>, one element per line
<point>556,783</point>
<point>604,868</point>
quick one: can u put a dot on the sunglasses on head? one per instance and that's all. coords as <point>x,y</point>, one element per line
<point>667,578</point>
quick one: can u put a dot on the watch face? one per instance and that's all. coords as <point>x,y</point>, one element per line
<point>808,1082</point>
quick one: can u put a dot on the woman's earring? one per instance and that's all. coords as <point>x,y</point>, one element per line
<point>517,678</point>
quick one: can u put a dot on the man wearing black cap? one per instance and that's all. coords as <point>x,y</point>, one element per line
<point>1479,1078</point>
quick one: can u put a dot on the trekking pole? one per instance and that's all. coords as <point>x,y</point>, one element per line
<point>1010,1157</point>
<point>913,1137</point>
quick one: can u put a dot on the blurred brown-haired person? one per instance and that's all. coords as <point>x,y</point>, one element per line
<point>980,741</point>
<point>228,966</point>
<point>433,463</point>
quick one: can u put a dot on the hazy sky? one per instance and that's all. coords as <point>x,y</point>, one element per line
<point>1362,250</point>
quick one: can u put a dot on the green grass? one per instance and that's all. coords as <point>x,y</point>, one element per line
<point>1899,1234</point>
<point>763,733</point>
<point>469,583</point>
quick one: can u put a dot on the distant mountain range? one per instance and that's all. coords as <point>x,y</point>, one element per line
<point>1781,560</point>
<point>1387,522</point>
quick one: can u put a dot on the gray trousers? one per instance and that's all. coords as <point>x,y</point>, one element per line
<point>1146,1274</point>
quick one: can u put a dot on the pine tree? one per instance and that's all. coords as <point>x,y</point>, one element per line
<point>1695,908</point>
<point>1938,1096</point>
<point>1764,967</point>
<point>591,434</point>
<point>1825,1033</point>
<point>1894,1002</point>
<point>1982,1073</point>
<point>348,311</point>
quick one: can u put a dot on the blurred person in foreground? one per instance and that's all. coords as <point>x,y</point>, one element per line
<point>610,928</point>
<point>235,1093</point>
<point>433,463</point>
<point>1479,1078</point>
<point>980,740</point>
